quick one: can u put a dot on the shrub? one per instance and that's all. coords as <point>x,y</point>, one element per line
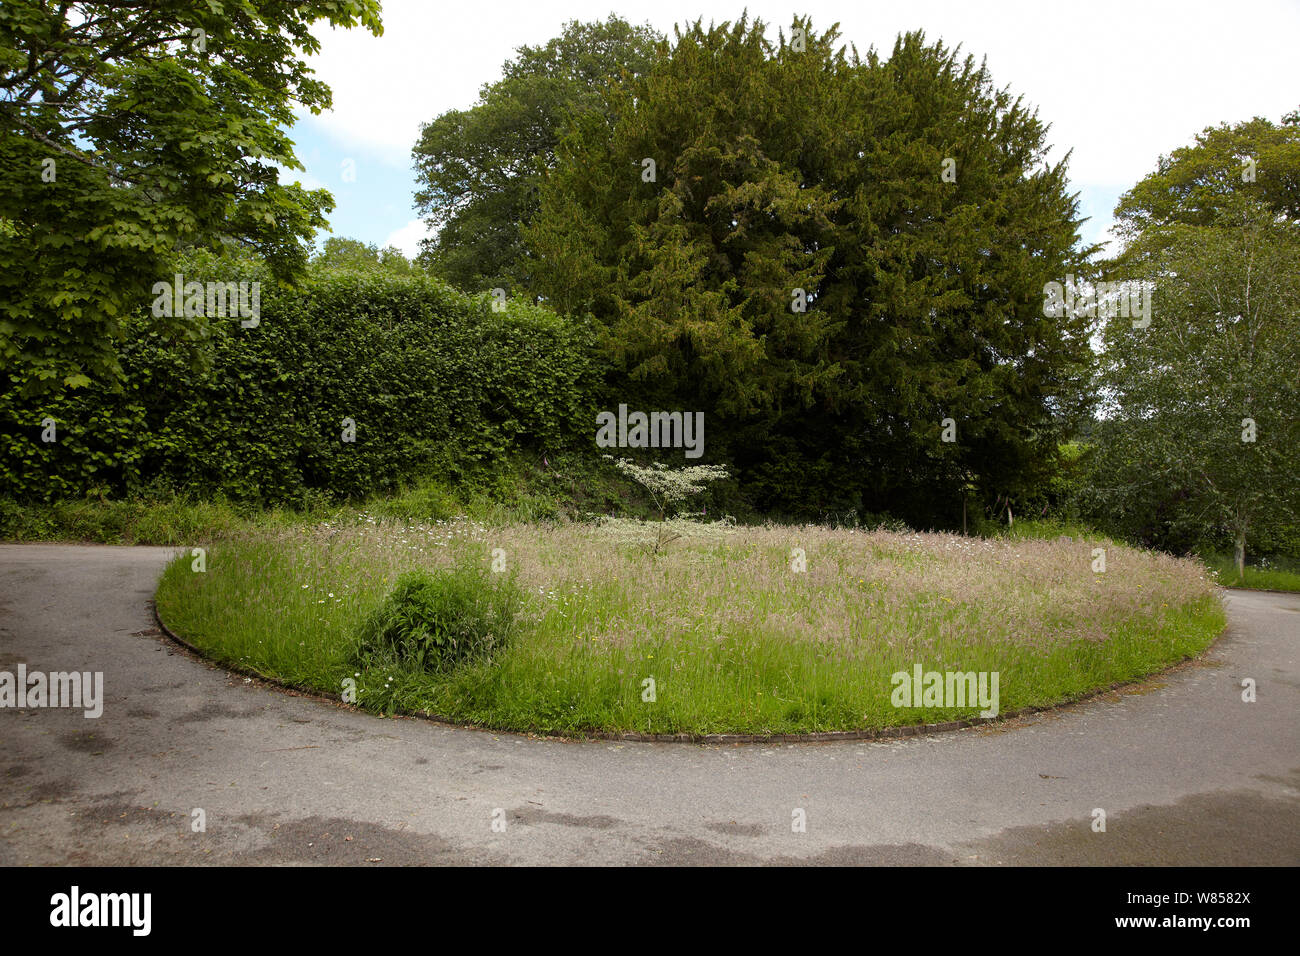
<point>433,622</point>
<point>434,381</point>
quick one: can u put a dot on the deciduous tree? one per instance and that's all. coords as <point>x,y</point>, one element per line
<point>128,130</point>
<point>478,168</point>
<point>1203,421</point>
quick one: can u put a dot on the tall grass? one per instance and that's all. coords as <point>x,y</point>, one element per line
<point>1224,570</point>
<point>733,638</point>
<point>518,489</point>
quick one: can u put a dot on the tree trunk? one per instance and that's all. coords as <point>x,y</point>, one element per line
<point>1241,553</point>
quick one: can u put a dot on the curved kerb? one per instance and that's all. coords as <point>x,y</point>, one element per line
<point>878,733</point>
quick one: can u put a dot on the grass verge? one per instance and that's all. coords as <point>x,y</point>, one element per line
<point>523,489</point>
<point>734,640</point>
<point>1224,568</point>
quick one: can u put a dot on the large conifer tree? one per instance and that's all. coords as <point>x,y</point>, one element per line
<point>794,172</point>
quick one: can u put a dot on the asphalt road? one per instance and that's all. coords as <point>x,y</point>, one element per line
<point>1186,772</point>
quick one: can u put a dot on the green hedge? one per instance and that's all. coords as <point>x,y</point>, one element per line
<point>435,381</point>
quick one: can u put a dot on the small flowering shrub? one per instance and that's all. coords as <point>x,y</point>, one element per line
<point>669,488</point>
<point>432,622</point>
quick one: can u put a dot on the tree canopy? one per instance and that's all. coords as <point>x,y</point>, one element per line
<point>1199,437</point>
<point>830,255</point>
<point>129,130</point>
<point>342,253</point>
<point>478,169</point>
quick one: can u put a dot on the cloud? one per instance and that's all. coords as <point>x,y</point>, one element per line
<point>1119,82</point>
<point>408,238</point>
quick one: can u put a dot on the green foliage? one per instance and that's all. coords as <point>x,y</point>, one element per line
<point>434,382</point>
<point>1056,497</point>
<point>1262,574</point>
<point>1198,444</point>
<point>479,168</point>
<point>733,640</point>
<point>340,253</point>
<point>780,169</point>
<point>432,622</point>
<point>127,130</point>
<point>176,521</point>
<point>523,487</point>
<point>669,489</point>
<point>1047,529</point>
<point>1195,184</point>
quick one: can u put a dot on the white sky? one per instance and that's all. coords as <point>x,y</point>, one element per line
<point>1119,82</point>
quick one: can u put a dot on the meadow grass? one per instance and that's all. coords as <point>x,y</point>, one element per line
<point>734,639</point>
<point>1224,569</point>
<point>185,521</point>
<point>173,521</point>
<point>518,490</point>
